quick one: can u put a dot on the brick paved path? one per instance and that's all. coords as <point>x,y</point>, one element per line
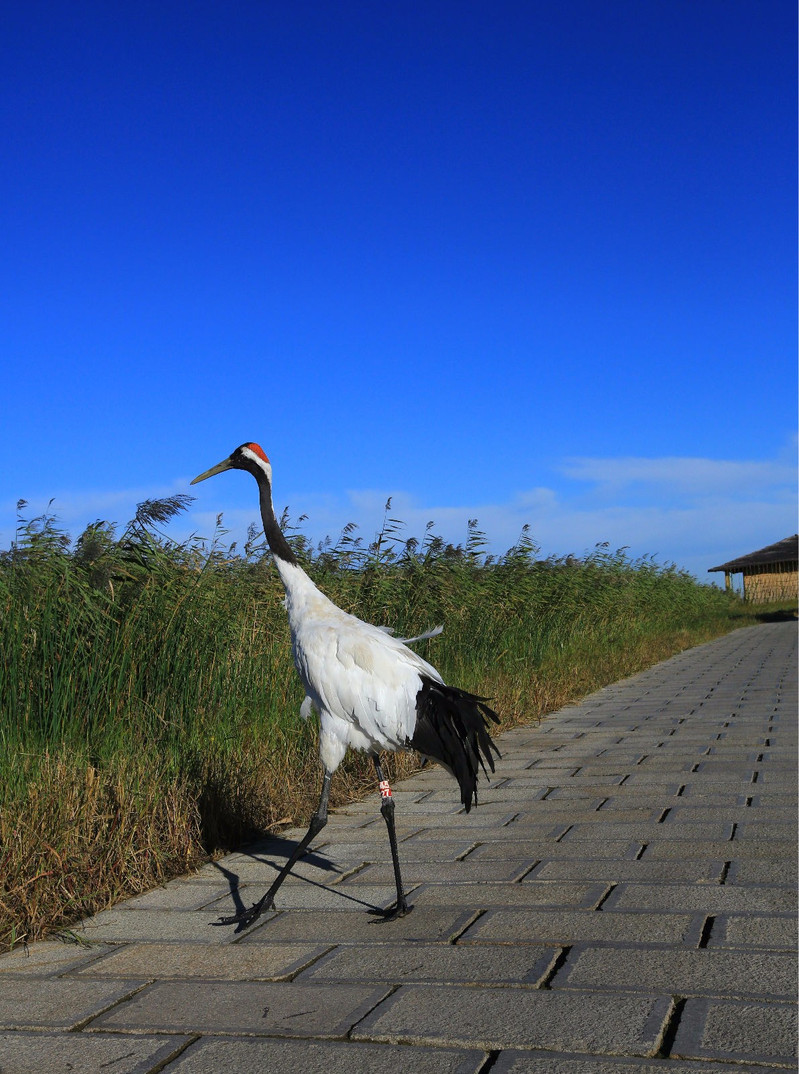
<point>622,902</point>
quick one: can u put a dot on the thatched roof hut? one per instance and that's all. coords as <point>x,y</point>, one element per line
<point>771,573</point>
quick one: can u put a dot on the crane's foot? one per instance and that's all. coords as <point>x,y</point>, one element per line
<point>399,909</point>
<point>245,918</point>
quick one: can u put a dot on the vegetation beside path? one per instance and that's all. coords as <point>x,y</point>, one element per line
<point>149,710</point>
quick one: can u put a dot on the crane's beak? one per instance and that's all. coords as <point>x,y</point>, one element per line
<point>226,464</point>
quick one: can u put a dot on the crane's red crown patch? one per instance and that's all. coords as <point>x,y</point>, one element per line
<point>259,451</point>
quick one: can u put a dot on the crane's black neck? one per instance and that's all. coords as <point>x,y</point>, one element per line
<point>278,544</point>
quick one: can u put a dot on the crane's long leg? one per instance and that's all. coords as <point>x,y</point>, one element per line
<point>387,809</point>
<point>246,917</point>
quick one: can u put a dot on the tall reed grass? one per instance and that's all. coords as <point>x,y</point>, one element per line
<point>149,707</point>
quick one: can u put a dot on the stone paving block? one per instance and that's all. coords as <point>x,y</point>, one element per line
<point>502,799</point>
<point>123,926</point>
<point>615,755</point>
<point>495,832</point>
<point>557,810</point>
<point>583,926</point>
<point>620,813</point>
<point>782,828</point>
<point>719,899</point>
<point>513,1062</point>
<point>604,849</point>
<point>431,778</point>
<point>210,1056</point>
<point>771,931</point>
<point>178,895</point>
<point>763,872</point>
<point>435,964</point>
<point>665,872</point>
<point>753,1032</point>
<point>49,958</point>
<point>425,924</point>
<point>565,894</point>
<point>775,799</point>
<point>567,758</point>
<point>539,809</point>
<point>43,1003</point>
<point>590,790</point>
<point>59,1053</point>
<point>460,825</point>
<point>502,794</point>
<point>773,778</point>
<point>608,781</point>
<point>427,850</point>
<point>184,961</point>
<point>569,762</point>
<point>701,785</point>
<point>558,817</point>
<point>716,766</point>
<point>742,815</point>
<point>725,749</point>
<point>687,804</point>
<point>712,780</point>
<point>682,972</point>
<point>649,833</point>
<point>667,770</point>
<point>495,1018</point>
<point>666,850</point>
<point>250,1007</point>
<point>469,871</point>
<point>546,778</point>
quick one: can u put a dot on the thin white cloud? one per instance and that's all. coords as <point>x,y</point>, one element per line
<point>686,476</point>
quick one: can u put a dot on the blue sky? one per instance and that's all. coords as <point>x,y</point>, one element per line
<point>519,261</point>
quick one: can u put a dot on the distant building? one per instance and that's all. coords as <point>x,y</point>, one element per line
<point>771,573</point>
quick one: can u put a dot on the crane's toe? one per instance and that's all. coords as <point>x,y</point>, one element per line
<point>245,918</point>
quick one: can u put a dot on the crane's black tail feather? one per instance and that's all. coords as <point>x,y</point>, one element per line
<point>452,727</point>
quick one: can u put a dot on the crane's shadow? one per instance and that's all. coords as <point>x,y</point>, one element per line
<point>276,847</point>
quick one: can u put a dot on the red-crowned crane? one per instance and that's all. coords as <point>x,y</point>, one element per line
<point>370,690</point>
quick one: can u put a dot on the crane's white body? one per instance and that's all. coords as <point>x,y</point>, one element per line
<point>362,681</point>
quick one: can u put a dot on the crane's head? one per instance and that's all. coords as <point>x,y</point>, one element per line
<point>250,457</point>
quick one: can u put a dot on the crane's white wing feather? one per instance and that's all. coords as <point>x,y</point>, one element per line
<point>361,675</point>
<point>432,633</point>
